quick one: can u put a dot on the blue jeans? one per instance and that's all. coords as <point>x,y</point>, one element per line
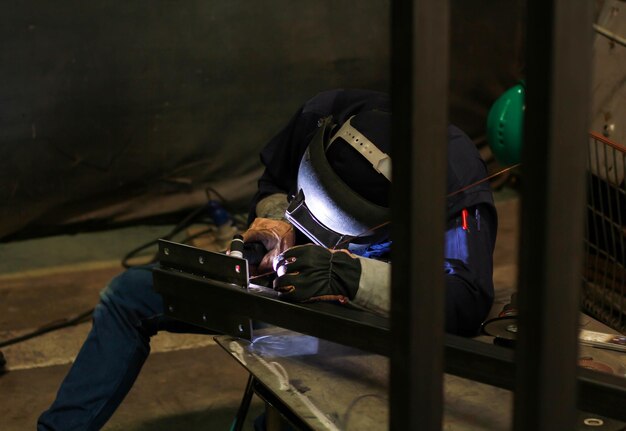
<point>129,313</point>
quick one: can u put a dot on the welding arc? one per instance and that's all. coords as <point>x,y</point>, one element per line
<point>374,228</point>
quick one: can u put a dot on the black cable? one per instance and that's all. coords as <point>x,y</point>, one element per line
<point>209,190</point>
<point>197,234</point>
<point>346,416</point>
<point>186,221</point>
<point>84,316</point>
<point>49,327</point>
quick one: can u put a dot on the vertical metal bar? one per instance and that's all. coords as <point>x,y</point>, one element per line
<point>595,226</point>
<point>553,202</point>
<point>419,102</point>
<point>618,266</point>
<point>609,223</point>
<point>605,304</point>
<point>244,406</point>
<point>591,226</point>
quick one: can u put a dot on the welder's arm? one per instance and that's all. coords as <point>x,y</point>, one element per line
<point>467,267</point>
<point>374,293</point>
<point>310,272</point>
<point>272,206</point>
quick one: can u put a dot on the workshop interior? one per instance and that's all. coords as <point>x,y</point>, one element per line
<point>130,134</point>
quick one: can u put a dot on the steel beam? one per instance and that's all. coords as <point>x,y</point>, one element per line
<point>419,89</point>
<point>228,309</point>
<point>204,302</point>
<point>553,202</point>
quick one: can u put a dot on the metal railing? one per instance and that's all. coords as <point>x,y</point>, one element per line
<point>604,271</point>
<point>558,43</point>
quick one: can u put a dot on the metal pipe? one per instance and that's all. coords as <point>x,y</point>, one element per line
<point>609,35</point>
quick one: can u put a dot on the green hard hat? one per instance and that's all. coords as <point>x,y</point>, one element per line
<point>505,124</point>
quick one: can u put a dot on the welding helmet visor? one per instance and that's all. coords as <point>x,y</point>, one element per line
<point>328,210</point>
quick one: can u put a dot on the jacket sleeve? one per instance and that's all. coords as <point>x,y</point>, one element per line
<point>468,268</point>
<point>282,154</point>
<point>281,158</point>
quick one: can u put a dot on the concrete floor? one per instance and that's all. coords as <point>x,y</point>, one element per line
<point>188,382</point>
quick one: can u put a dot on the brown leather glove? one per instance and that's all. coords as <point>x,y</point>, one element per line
<point>275,235</point>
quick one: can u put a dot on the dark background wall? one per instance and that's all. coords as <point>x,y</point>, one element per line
<point>111,111</point>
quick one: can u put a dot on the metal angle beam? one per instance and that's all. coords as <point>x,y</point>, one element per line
<point>228,309</point>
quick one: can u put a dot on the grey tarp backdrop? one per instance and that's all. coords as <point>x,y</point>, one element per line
<point>114,110</point>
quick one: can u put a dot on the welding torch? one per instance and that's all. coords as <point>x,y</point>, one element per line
<point>253,252</point>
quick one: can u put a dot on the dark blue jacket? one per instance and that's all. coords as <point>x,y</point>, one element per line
<point>469,244</point>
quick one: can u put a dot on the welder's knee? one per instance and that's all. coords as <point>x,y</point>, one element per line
<point>132,291</point>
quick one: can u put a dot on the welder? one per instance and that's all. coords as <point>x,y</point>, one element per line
<point>322,213</point>
<point>328,174</point>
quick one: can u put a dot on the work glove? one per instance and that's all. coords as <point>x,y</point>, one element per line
<point>275,235</point>
<point>308,273</point>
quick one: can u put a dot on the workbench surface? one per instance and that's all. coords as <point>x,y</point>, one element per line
<point>334,387</point>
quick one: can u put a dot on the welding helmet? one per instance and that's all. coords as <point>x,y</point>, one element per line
<point>344,180</point>
<point>505,124</point>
